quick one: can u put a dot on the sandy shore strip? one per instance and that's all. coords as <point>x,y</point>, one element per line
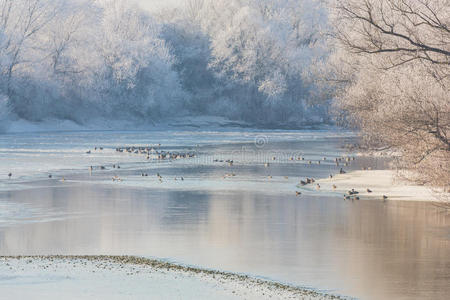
<point>127,277</point>
<point>379,182</point>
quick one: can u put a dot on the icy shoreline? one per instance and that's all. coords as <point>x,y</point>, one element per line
<point>119,277</point>
<point>178,123</point>
<point>380,183</point>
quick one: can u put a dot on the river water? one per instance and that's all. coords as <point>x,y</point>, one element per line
<point>252,222</point>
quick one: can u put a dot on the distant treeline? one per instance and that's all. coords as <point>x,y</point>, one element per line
<point>246,60</point>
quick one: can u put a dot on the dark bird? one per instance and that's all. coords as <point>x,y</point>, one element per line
<point>88,152</point>
<point>9,175</point>
<point>341,171</point>
<point>369,190</point>
<point>353,192</point>
<point>49,175</point>
<point>385,197</point>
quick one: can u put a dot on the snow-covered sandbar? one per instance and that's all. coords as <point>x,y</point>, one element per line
<point>125,277</point>
<point>380,183</point>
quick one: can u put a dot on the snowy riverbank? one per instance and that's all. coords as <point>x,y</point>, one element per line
<point>23,126</point>
<point>379,182</point>
<point>103,277</point>
<point>176,123</point>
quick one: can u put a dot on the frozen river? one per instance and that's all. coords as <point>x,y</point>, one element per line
<point>243,218</point>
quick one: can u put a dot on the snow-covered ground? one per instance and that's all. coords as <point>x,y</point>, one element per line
<point>131,278</point>
<point>379,182</point>
<point>211,123</point>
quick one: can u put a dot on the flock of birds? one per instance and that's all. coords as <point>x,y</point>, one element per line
<point>351,194</point>
<point>149,152</point>
<point>345,161</point>
<point>155,152</point>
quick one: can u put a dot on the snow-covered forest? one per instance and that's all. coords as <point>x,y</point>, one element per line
<point>80,60</point>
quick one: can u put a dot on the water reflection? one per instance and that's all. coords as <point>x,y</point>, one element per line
<point>366,249</point>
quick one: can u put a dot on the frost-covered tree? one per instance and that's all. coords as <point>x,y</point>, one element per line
<point>265,46</point>
<point>392,69</point>
<point>4,113</point>
<point>137,72</point>
<point>22,22</point>
<point>257,52</point>
<point>83,59</point>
